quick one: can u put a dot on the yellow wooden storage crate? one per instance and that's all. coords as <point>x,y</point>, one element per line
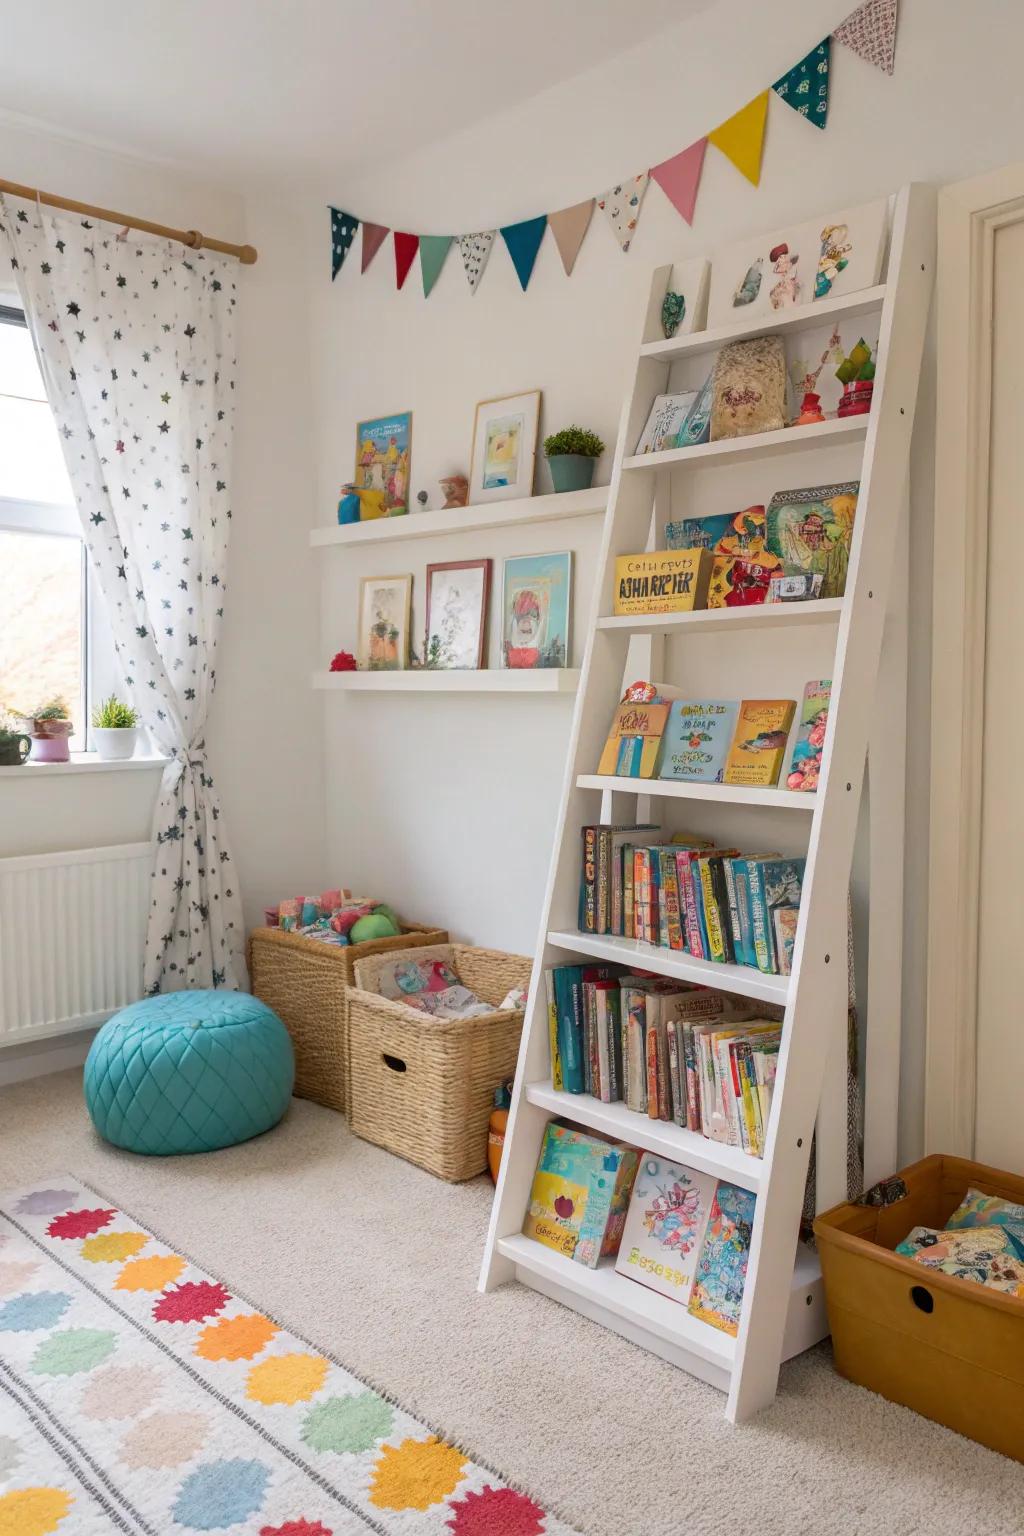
<point>950,1349</point>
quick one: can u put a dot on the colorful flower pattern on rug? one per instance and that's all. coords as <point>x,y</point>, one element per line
<point>139,1394</point>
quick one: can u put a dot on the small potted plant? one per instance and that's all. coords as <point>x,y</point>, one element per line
<point>49,726</point>
<point>115,729</point>
<point>14,744</point>
<point>572,454</point>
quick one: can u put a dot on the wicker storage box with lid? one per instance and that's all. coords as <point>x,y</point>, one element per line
<point>306,982</point>
<point>949,1348</point>
<point>423,1087</point>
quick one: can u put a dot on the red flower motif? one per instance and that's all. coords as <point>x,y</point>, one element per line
<point>496,1512</point>
<point>119,445</point>
<point>296,1528</point>
<point>79,1223</point>
<point>192,1302</point>
<point>343,662</point>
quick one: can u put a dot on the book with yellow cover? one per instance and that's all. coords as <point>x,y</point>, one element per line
<point>634,741</point>
<point>580,1194</point>
<point>663,581</point>
<point>759,742</point>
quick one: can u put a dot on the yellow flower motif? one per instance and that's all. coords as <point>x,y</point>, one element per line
<point>33,1511</point>
<point>149,1274</point>
<point>106,1246</point>
<point>235,1338</point>
<point>416,1474</point>
<point>286,1379</point>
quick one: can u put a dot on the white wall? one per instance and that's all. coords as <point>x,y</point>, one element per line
<point>447,804</point>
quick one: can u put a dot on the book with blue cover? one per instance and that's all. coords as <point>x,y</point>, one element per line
<point>717,1293</point>
<point>697,739</point>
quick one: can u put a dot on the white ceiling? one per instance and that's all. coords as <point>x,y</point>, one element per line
<point>299,91</point>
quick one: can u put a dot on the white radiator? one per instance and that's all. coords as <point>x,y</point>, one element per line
<point>72,930</point>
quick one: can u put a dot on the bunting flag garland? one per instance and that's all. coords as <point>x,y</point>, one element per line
<point>741,137</point>
<point>568,226</point>
<point>374,236</point>
<point>679,178</point>
<point>474,250</point>
<point>343,232</point>
<point>433,250</point>
<point>406,247</point>
<point>870,31</point>
<point>805,86</point>
<point>523,241</point>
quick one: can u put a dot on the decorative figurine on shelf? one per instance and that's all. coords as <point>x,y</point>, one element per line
<point>748,290</point>
<point>673,312</point>
<point>856,373</point>
<point>361,505</point>
<point>422,498</point>
<point>810,410</point>
<point>455,490</point>
<point>836,246</point>
<point>787,290</point>
<point>640,693</point>
<point>343,662</point>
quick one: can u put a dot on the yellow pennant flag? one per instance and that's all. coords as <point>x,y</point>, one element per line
<point>741,137</point>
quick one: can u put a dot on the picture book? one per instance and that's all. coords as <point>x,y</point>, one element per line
<point>667,415</point>
<point>793,589</point>
<point>737,535</point>
<point>737,583</point>
<point>580,1194</point>
<point>784,921</point>
<point>382,472</point>
<point>697,739</point>
<point>663,581</point>
<point>810,531</point>
<point>779,884</point>
<point>665,1225</point>
<point>634,741</point>
<point>759,743</point>
<point>717,1292</point>
<point>552,1017</point>
<point>810,737</point>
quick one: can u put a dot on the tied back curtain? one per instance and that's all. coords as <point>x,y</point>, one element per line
<point>135,338</point>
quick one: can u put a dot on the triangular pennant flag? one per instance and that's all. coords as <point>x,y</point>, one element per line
<point>523,241</point>
<point>679,177</point>
<point>741,137</point>
<point>433,250</point>
<point>474,250</point>
<point>568,226</point>
<point>343,232</point>
<point>406,247</point>
<point>805,86</point>
<point>621,207</point>
<point>870,31</point>
<point>374,236</point>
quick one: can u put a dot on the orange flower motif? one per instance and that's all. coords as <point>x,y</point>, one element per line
<point>235,1338</point>
<point>416,1474</point>
<point>286,1379</point>
<point>149,1274</point>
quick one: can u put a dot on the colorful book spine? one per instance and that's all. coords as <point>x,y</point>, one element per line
<point>651,1063</point>
<point>668,913</point>
<point>556,1055</point>
<point>569,1042</point>
<point>712,922</point>
<point>688,895</point>
<point>628,890</point>
<point>760,928</point>
<point>741,880</point>
<point>588,882</point>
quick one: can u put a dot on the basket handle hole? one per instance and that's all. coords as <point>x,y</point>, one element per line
<point>922,1299</point>
<point>394,1062</point>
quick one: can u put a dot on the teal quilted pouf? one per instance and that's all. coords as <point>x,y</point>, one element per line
<point>189,1072</point>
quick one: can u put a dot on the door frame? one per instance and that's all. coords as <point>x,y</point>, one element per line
<point>970,215</point>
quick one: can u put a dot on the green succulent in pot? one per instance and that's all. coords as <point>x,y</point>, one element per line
<point>115,729</point>
<point>572,454</point>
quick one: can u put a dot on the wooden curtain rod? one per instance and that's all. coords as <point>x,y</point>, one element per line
<point>246,254</point>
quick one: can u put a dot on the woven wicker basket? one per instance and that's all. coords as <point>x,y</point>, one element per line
<point>306,982</point>
<point>423,1087</point>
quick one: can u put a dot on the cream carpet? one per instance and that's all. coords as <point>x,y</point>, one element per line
<point>377,1262</point>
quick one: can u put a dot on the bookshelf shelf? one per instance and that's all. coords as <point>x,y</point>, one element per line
<point>759,445</point>
<point>825,610</point>
<point>805,317</point>
<point>723,794</point>
<point>634,953</point>
<point>658,1136</point>
<point>472,519</point>
<point>486,680</point>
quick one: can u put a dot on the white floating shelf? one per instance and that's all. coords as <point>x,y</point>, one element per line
<point>487,680</point>
<point>472,519</point>
<point>635,954</point>
<point>758,445</point>
<point>663,1138</point>
<point>720,794</point>
<point>822,610</point>
<point>804,317</point>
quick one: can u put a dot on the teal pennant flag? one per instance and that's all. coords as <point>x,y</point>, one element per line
<point>343,232</point>
<point>805,86</point>
<point>523,241</point>
<point>433,250</point>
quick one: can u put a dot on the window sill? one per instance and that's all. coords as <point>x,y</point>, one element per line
<point>85,762</point>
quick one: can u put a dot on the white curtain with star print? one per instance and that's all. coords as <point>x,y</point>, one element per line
<point>135,338</point>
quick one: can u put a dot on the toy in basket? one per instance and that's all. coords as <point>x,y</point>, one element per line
<point>424,1061</point>
<point>335,917</point>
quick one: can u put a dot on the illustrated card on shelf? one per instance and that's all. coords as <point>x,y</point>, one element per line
<point>667,415</point>
<point>810,530</point>
<point>634,741</point>
<point>383,447</point>
<point>759,743</point>
<point>668,1214</point>
<point>717,1293</point>
<point>810,737</point>
<point>737,583</point>
<point>697,740</point>
<point>580,1194</point>
<point>663,581</point>
<point>535,601</point>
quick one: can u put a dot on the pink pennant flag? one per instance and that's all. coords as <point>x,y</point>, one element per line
<point>568,226</point>
<point>679,178</point>
<point>374,236</point>
<point>870,31</point>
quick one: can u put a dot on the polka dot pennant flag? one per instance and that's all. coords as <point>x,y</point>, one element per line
<point>474,250</point>
<point>343,232</point>
<point>621,207</point>
<point>870,31</point>
<point>805,86</point>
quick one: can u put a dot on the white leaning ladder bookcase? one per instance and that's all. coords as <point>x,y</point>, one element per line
<point>782,1309</point>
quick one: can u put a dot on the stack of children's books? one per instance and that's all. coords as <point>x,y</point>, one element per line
<point>667,1050</point>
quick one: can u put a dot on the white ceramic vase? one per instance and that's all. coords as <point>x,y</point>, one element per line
<point>114,746</point>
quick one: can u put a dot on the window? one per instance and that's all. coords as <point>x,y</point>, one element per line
<point>54,641</point>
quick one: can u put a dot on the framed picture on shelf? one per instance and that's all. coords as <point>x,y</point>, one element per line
<point>457,597</point>
<point>536,597</point>
<point>504,447</point>
<point>385,608</point>
<point>383,452</point>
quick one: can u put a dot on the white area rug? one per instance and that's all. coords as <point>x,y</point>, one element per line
<point>376,1263</point>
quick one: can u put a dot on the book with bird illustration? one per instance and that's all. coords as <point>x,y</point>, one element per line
<point>697,739</point>
<point>580,1194</point>
<point>759,743</point>
<point>665,1225</point>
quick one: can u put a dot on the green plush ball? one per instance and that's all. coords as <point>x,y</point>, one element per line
<point>383,910</point>
<point>375,926</point>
